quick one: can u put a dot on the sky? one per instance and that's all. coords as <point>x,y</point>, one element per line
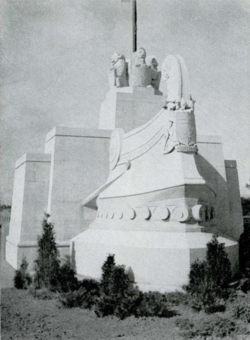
<point>55,55</point>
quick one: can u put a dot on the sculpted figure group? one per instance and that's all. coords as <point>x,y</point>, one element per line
<point>143,72</point>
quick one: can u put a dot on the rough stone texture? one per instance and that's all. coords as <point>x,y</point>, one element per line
<point>128,108</point>
<point>28,205</point>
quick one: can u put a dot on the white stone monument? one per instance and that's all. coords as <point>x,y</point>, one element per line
<point>153,195</point>
<point>167,193</point>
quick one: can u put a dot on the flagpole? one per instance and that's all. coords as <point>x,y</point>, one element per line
<point>134,25</point>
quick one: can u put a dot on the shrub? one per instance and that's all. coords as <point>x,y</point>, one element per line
<point>85,296</point>
<point>154,304</point>
<point>120,298</point>
<point>22,279</point>
<point>208,280</point>
<point>177,298</point>
<point>119,282</point>
<point>218,263</point>
<point>117,293</point>
<point>47,264</point>
<point>67,280</point>
<point>121,306</point>
<point>244,251</point>
<point>42,294</point>
<point>72,299</point>
<point>107,270</point>
<point>91,290</point>
<point>240,307</point>
<point>210,326</point>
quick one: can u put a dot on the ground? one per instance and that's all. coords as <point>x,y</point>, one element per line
<point>26,318</point>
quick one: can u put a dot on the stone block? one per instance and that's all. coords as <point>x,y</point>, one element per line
<point>233,192</point>
<point>29,203</point>
<point>159,260</point>
<point>129,108</point>
<point>210,164</point>
<point>79,165</point>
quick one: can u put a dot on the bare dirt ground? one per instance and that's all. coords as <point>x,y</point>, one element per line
<point>26,318</point>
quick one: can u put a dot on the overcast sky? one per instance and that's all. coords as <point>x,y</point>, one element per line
<point>55,54</point>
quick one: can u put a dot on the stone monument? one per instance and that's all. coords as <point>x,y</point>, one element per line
<point>143,186</point>
<point>166,193</point>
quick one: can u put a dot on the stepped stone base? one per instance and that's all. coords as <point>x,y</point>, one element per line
<point>159,260</point>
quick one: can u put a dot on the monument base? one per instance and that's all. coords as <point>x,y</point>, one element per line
<point>15,252</point>
<point>159,260</point>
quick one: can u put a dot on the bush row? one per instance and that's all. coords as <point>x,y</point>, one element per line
<point>116,294</point>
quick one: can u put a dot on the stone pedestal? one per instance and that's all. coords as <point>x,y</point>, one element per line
<point>79,165</point>
<point>129,107</point>
<point>161,248</point>
<point>29,203</point>
<point>74,164</point>
<point>159,260</point>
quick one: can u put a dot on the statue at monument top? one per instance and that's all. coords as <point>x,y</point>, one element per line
<point>140,57</point>
<point>118,72</point>
<point>144,74</point>
<point>156,76</point>
<point>174,72</point>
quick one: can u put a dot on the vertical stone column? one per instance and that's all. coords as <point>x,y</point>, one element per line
<point>233,194</point>
<point>29,203</point>
<point>79,165</point>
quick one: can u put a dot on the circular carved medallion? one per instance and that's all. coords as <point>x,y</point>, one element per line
<point>145,213</point>
<point>181,213</point>
<point>161,213</point>
<point>115,147</point>
<point>118,215</point>
<point>198,212</point>
<point>129,214</point>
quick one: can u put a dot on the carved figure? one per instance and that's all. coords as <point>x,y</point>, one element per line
<point>144,74</point>
<point>174,72</point>
<point>155,74</point>
<point>118,73</point>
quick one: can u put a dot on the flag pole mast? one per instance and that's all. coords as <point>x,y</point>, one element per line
<point>134,25</point>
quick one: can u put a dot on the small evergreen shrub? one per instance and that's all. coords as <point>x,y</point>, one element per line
<point>67,280</point>
<point>42,293</point>
<point>72,299</point>
<point>218,263</point>
<point>91,289</point>
<point>47,264</point>
<point>240,307</point>
<point>121,306</point>
<point>84,296</point>
<point>22,279</point>
<point>177,298</point>
<point>121,298</point>
<point>209,280</point>
<point>116,291</point>
<point>244,251</point>
<point>107,270</point>
<point>211,326</point>
<point>154,304</point>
